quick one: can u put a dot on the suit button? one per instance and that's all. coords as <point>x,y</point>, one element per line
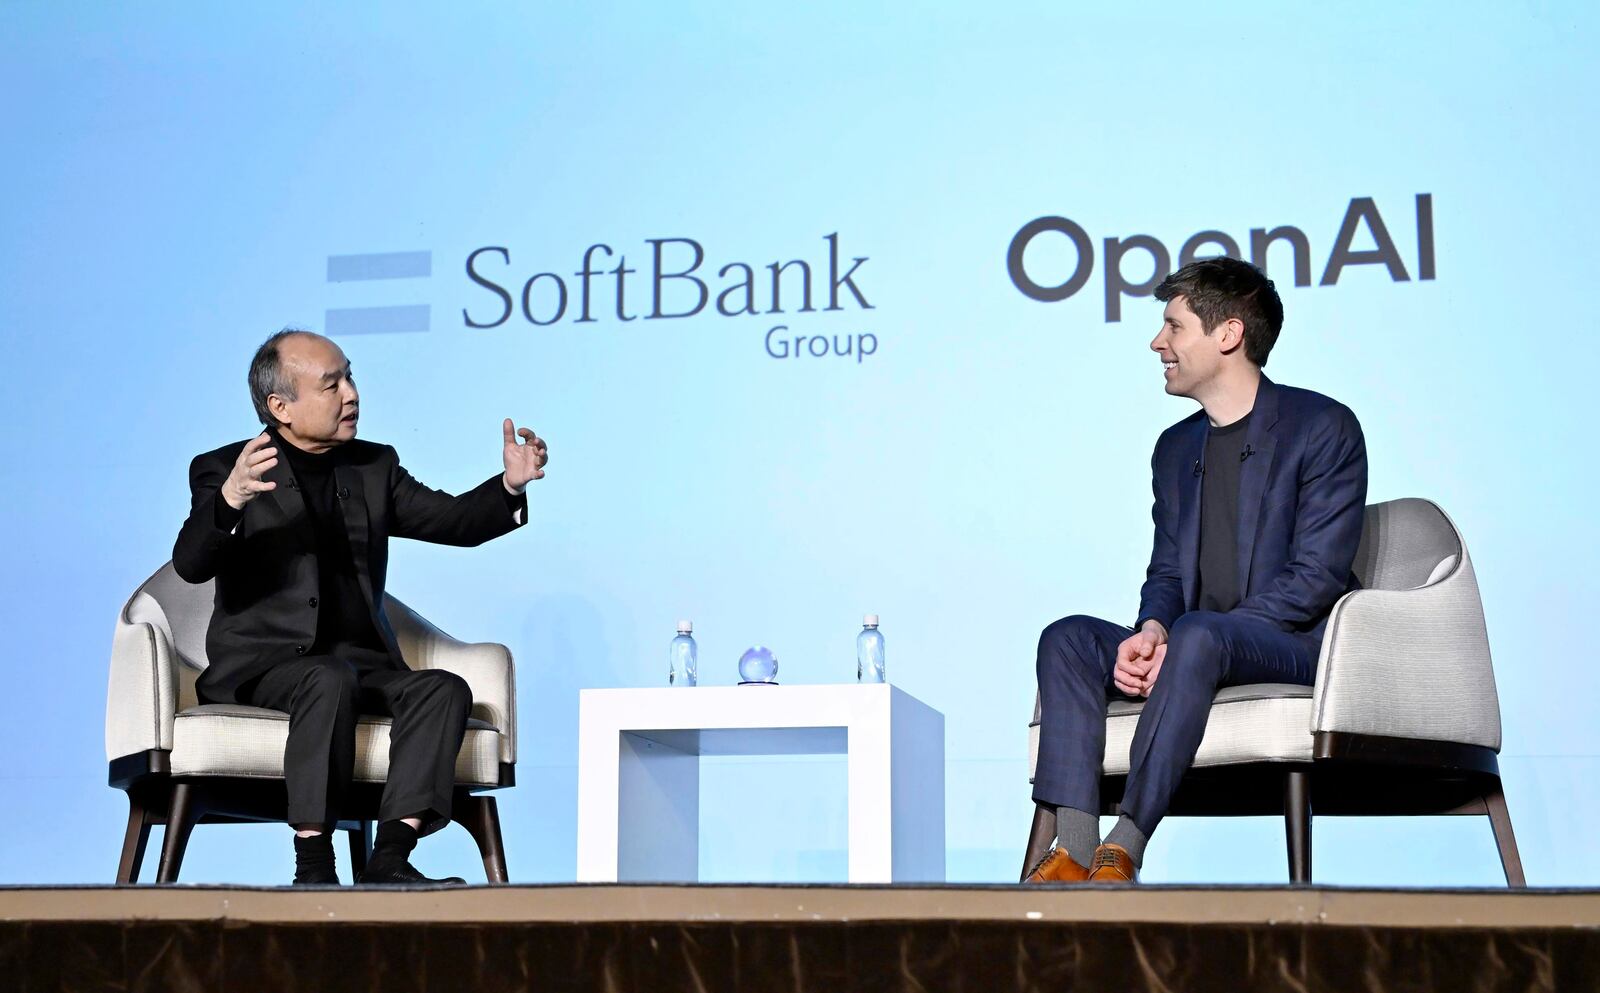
<point>311,602</point>
<point>299,649</point>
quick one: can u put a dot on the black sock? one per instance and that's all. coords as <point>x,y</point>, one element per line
<point>313,859</point>
<point>395,839</point>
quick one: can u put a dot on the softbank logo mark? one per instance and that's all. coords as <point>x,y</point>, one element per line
<point>1152,255</point>
<point>386,319</point>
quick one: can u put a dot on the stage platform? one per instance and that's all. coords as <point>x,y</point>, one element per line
<point>797,938</point>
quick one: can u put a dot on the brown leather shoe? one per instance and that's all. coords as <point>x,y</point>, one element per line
<point>1112,864</point>
<point>1057,867</point>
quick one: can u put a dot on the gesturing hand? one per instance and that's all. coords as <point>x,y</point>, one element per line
<point>1139,658</point>
<point>245,481</point>
<point>525,460</point>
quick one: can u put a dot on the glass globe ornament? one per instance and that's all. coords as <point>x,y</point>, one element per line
<point>758,667</point>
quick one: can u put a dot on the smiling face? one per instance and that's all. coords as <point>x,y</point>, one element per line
<point>325,407</point>
<point>1192,359</point>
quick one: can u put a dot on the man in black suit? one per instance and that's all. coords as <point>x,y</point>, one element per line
<point>299,624</point>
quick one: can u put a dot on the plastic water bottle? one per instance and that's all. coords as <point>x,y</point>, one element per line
<point>682,656</point>
<point>869,652</point>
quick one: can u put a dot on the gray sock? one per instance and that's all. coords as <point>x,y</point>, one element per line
<point>1128,835</point>
<point>1078,831</point>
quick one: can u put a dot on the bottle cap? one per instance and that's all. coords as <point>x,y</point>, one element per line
<point>870,619</point>
<point>686,627</point>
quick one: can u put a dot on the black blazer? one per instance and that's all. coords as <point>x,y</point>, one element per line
<point>266,567</point>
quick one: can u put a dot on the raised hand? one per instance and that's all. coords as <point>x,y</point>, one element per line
<point>244,482</point>
<point>525,460</point>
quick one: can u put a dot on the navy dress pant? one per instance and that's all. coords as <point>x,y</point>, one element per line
<point>1205,651</point>
<point>325,694</point>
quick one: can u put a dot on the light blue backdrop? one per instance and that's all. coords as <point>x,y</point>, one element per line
<point>177,176</point>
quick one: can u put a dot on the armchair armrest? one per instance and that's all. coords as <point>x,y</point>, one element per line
<point>141,695</point>
<point>1410,663</point>
<point>486,666</point>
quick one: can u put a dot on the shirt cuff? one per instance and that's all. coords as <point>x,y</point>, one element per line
<point>517,503</point>
<point>225,516</point>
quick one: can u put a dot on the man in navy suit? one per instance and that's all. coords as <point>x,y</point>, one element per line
<point>1259,498</point>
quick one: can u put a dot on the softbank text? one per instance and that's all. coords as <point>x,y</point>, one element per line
<point>1362,213</point>
<point>673,283</point>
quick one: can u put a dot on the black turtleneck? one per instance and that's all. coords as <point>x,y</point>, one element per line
<point>344,619</point>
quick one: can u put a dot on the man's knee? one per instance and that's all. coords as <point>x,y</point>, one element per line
<point>1196,642</point>
<point>447,687</point>
<point>330,681</point>
<point>1069,638</point>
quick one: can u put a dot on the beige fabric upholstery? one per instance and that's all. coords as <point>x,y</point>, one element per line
<point>1260,722</point>
<point>228,740</point>
<point>1407,656</point>
<point>485,666</point>
<point>158,649</point>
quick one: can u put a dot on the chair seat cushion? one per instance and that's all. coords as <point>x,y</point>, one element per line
<point>223,739</point>
<point>1260,722</point>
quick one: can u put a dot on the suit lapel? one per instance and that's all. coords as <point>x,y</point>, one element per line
<point>1189,478</point>
<point>291,502</point>
<point>1261,443</point>
<point>351,497</point>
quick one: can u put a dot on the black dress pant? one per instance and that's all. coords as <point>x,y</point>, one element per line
<point>323,696</point>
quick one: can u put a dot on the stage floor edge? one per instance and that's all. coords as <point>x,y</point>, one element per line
<point>625,903</point>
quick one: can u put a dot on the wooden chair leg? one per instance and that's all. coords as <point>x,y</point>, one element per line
<point>182,814</point>
<point>480,815</point>
<point>1494,800</point>
<point>1040,837</point>
<point>360,848</point>
<point>1297,823</point>
<point>134,841</point>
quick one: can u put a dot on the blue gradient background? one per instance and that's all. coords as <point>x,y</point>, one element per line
<point>178,174</point>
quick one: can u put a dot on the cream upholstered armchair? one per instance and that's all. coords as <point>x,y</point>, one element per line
<point>1403,719</point>
<point>184,763</point>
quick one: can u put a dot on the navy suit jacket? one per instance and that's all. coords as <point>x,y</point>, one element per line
<point>1302,496</point>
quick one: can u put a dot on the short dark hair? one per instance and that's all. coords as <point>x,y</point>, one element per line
<point>1220,288</point>
<point>267,376</point>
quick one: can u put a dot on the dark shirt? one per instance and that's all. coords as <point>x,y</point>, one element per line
<point>344,618</point>
<point>1219,587</point>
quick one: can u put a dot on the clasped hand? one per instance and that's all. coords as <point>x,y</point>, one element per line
<point>1139,660</point>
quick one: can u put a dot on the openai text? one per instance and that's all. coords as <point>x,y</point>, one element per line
<point>1145,249</point>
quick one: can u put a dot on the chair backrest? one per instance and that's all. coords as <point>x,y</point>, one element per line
<point>181,610</point>
<point>1405,544</point>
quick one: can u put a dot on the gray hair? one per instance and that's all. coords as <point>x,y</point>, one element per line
<point>267,375</point>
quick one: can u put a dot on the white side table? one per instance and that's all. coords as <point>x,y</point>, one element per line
<point>639,773</point>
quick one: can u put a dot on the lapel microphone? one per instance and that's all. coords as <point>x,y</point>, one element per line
<point>1248,451</point>
<point>1197,469</point>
